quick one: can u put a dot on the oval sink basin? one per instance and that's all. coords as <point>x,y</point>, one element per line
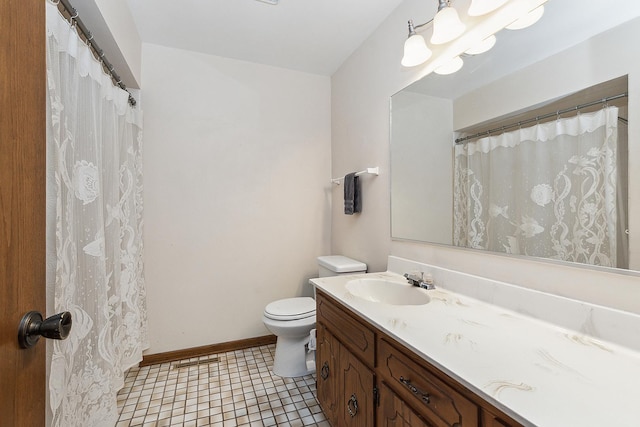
<point>388,292</point>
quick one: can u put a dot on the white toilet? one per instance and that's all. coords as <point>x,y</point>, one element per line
<point>292,320</point>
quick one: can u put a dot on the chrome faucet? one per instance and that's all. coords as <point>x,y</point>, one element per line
<point>420,280</point>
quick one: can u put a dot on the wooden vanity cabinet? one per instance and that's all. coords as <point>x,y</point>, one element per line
<point>356,407</point>
<point>357,336</point>
<point>490,419</point>
<point>430,396</point>
<point>395,412</point>
<point>327,356</point>
<point>344,359</point>
<point>366,378</point>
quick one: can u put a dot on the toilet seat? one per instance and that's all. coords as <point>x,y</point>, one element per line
<point>291,309</point>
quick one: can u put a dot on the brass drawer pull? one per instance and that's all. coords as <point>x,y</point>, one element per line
<point>352,405</point>
<point>422,395</point>
<point>324,372</point>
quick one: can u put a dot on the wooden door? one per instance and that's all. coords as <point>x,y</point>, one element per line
<point>356,408</point>
<point>394,412</point>
<point>22,207</point>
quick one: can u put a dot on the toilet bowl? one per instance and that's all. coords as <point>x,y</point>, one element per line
<point>292,319</point>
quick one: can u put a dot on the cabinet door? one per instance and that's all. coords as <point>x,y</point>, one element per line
<point>356,408</point>
<point>327,372</point>
<point>394,412</point>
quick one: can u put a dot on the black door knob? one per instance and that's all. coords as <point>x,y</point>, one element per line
<point>32,327</point>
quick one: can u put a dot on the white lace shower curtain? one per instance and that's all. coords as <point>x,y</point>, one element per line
<point>547,191</point>
<point>94,191</point>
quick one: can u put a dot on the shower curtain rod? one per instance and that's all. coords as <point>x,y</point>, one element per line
<point>98,53</point>
<point>544,116</point>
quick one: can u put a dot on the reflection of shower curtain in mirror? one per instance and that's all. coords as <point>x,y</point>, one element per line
<point>94,231</point>
<point>549,191</point>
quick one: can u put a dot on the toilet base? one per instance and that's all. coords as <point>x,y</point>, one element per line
<point>290,358</point>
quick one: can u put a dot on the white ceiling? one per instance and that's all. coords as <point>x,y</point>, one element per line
<point>317,36</point>
<point>314,36</point>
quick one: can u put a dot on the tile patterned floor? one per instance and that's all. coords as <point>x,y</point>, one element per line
<point>228,389</point>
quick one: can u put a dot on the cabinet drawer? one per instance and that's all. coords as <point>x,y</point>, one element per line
<point>354,335</point>
<point>492,420</point>
<point>425,392</point>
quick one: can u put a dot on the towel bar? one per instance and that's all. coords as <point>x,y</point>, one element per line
<point>370,171</point>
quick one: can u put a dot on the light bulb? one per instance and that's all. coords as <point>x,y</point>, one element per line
<point>482,46</point>
<point>527,20</point>
<point>446,26</point>
<point>415,51</point>
<point>450,67</point>
<point>482,7</point>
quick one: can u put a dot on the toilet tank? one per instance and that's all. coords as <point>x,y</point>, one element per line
<point>334,265</point>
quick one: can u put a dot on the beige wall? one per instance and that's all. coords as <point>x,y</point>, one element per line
<point>360,137</point>
<point>237,178</point>
<point>360,92</point>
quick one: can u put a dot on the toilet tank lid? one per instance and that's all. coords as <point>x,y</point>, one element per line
<point>341,264</point>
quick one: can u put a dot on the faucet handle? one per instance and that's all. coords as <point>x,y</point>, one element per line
<point>414,274</point>
<point>427,279</point>
<point>414,277</point>
<point>419,278</point>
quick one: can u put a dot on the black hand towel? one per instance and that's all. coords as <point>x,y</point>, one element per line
<point>352,197</point>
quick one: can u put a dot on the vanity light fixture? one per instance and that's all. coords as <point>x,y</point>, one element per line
<point>450,67</point>
<point>453,37</point>
<point>415,49</point>
<point>528,20</point>
<point>482,47</point>
<point>446,24</point>
<point>482,7</point>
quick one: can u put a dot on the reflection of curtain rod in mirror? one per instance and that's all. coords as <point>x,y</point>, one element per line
<point>542,117</point>
<point>370,171</point>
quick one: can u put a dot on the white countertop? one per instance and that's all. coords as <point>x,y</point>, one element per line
<point>538,373</point>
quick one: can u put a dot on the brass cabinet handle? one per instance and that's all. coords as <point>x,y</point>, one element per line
<point>352,405</point>
<point>324,372</point>
<point>421,394</point>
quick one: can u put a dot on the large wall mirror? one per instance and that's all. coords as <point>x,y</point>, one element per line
<point>579,53</point>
